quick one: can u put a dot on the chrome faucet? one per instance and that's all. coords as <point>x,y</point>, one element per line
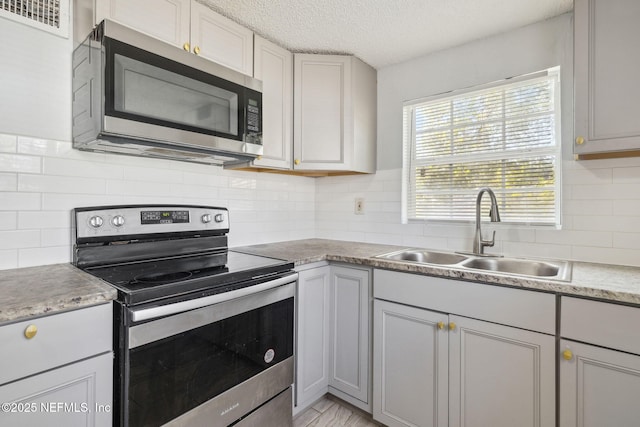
<point>478,243</point>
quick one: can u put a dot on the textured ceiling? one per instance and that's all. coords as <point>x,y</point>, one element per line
<point>383,32</point>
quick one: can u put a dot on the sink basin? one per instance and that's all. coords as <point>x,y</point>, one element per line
<point>425,256</point>
<point>551,269</point>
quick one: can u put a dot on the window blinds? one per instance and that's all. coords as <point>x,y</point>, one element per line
<point>504,136</point>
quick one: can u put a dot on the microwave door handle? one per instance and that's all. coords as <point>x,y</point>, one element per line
<point>179,307</point>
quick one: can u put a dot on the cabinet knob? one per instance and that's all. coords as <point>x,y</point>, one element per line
<point>580,140</point>
<point>259,158</point>
<point>567,354</point>
<point>440,325</point>
<point>196,50</point>
<point>452,326</point>
<point>31,331</point>
<point>296,161</point>
<point>186,47</point>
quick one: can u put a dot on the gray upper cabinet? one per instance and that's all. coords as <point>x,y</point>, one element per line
<point>186,24</point>
<point>274,66</point>
<point>607,77</point>
<point>334,114</point>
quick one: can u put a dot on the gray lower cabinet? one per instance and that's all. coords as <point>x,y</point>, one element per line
<point>74,395</point>
<point>333,335</point>
<point>598,387</point>
<point>435,368</point>
<point>312,335</point>
<point>410,366</point>
<point>599,364</point>
<point>57,370</point>
<point>349,346</point>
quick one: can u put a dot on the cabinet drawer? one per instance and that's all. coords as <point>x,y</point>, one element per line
<point>60,339</point>
<point>520,308</point>
<point>608,325</point>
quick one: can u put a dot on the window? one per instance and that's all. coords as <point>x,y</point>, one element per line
<point>505,136</point>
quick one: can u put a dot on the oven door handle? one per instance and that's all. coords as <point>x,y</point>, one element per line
<point>179,307</point>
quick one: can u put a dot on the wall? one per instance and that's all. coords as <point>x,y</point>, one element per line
<point>600,199</point>
<point>42,177</point>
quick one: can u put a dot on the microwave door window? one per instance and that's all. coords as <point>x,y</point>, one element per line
<point>146,91</point>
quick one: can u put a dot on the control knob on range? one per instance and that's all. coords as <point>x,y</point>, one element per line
<point>206,218</point>
<point>117,221</point>
<point>219,218</point>
<point>96,221</point>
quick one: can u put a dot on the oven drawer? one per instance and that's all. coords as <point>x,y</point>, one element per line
<point>59,339</point>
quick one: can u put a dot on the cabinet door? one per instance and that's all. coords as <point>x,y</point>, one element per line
<point>167,20</point>
<point>274,66</point>
<point>312,335</point>
<point>349,348</point>
<point>500,376</point>
<point>322,103</point>
<point>410,366</point>
<point>221,40</point>
<point>75,395</point>
<point>598,387</point>
<point>607,75</point>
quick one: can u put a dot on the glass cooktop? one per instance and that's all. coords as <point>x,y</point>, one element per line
<point>150,280</point>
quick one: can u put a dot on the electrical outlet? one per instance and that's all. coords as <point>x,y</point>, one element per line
<point>359,206</point>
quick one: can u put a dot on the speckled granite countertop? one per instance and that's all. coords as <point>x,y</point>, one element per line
<point>601,281</point>
<point>47,289</point>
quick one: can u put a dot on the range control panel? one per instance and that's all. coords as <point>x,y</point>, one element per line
<point>108,221</point>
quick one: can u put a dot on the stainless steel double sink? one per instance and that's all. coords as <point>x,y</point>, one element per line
<point>548,269</point>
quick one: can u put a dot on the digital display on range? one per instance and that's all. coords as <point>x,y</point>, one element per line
<point>164,217</point>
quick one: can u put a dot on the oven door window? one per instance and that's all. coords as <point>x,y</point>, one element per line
<point>145,87</point>
<point>174,375</point>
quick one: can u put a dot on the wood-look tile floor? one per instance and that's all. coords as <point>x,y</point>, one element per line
<point>332,412</point>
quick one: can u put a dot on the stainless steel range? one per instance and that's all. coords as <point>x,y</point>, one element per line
<point>204,335</point>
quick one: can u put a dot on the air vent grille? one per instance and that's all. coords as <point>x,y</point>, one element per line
<point>50,15</point>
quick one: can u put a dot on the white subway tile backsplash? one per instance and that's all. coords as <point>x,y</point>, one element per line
<point>8,220</point>
<point>44,147</point>
<point>605,192</point>
<point>8,259</point>
<point>588,207</point>
<point>56,237</point>
<point>38,256</point>
<point>626,207</point>
<point>42,180</point>
<point>8,143</point>
<point>8,181</point>
<point>44,219</point>
<point>20,163</point>
<point>16,239</point>
<point>156,175</point>
<point>13,201</point>
<point>60,184</point>
<point>80,168</point>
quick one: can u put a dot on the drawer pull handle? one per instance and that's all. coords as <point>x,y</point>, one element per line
<point>31,331</point>
<point>452,326</point>
<point>441,325</point>
<point>567,354</point>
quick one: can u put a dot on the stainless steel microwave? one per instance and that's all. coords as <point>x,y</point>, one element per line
<point>133,94</point>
